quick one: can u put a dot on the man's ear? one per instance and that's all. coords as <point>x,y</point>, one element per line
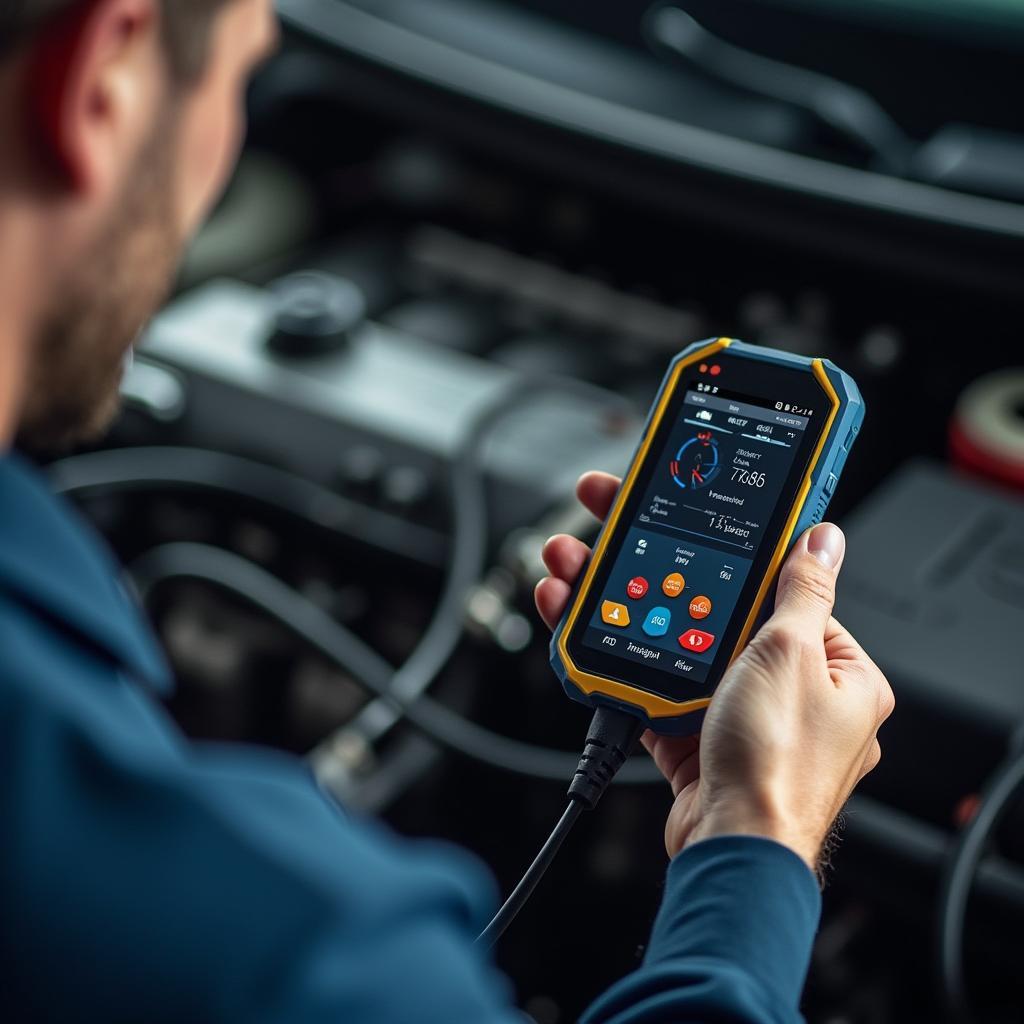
<point>94,79</point>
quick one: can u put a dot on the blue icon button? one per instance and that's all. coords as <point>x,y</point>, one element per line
<point>657,622</point>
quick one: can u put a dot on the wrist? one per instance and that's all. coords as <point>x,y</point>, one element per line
<point>760,824</point>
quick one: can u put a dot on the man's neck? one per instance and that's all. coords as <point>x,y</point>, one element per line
<point>17,293</point>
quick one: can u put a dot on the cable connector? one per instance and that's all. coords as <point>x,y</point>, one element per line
<point>610,740</point>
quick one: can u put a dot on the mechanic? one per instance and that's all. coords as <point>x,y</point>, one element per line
<point>147,878</point>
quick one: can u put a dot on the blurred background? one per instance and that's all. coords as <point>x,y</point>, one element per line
<point>464,241</point>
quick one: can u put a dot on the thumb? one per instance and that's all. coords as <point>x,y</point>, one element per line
<point>807,583</point>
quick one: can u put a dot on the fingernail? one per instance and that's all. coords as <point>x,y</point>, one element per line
<point>827,544</point>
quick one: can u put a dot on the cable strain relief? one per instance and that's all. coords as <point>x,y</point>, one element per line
<point>610,740</point>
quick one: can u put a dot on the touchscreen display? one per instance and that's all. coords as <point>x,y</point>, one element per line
<point>695,540</point>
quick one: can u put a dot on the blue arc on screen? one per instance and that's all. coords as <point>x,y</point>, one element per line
<point>696,463</point>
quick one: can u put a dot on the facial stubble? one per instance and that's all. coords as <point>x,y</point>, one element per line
<point>77,357</point>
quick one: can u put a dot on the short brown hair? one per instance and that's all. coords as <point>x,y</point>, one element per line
<point>185,25</point>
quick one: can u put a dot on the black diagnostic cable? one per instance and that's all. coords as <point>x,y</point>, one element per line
<point>610,740</point>
<point>524,890</point>
<point>254,585</point>
<point>1006,783</point>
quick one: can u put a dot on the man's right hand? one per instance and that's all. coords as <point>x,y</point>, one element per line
<point>793,725</point>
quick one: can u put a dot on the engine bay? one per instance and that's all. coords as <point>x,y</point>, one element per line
<point>409,292</point>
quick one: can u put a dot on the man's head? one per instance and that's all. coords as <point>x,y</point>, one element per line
<point>120,121</point>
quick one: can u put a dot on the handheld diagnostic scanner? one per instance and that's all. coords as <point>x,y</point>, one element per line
<point>741,454</point>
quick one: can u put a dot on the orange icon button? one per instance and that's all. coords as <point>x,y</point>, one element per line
<point>613,614</point>
<point>673,585</point>
<point>700,607</point>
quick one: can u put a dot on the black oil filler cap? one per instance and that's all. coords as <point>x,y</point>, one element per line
<point>316,313</point>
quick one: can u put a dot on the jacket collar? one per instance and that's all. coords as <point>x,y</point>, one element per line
<point>52,560</point>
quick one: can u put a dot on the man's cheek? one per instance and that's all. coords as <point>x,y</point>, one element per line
<point>208,163</point>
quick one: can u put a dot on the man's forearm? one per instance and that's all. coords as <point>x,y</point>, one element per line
<point>732,941</point>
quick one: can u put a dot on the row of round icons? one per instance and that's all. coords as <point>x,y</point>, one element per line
<point>671,586</point>
<point>656,624</point>
<point>659,619</point>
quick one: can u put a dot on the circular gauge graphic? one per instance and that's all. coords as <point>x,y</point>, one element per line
<point>696,464</point>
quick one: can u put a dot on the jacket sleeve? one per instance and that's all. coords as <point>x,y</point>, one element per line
<point>146,878</point>
<point>731,944</point>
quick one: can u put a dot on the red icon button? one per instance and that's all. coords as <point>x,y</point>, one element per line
<point>696,640</point>
<point>637,587</point>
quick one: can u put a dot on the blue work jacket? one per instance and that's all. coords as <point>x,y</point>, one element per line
<point>147,878</point>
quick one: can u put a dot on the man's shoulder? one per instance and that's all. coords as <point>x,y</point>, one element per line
<point>37,645</point>
<point>56,568</point>
<point>48,673</point>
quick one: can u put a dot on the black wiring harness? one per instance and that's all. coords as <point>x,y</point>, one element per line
<point>131,470</point>
<point>850,112</point>
<point>297,613</point>
<point>402,691</point>
<point>1005,784</point>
